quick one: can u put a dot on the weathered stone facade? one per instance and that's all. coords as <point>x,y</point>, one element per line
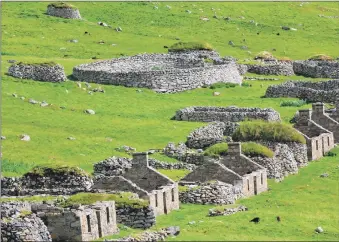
<point>317,69</point>
<point>160,72</point>
<point>325,91</point>
<point>38,72</point>
<point>159,190</point>
<point>84,223</point>
<point>319,140</point>
<point>225,114</point>
<point>63,12</point>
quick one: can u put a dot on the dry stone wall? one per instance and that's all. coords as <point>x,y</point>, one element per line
<point>55,184</point>
<point>226,211</point>
<point>139,218</point>
<point>22,229</point>
<point>216,192</point>
<point>325,91</point>
<point>38,72</point>
<point>272,68</point>
<point>63,12</point>
<point>317,69</point>
<point>225,114</point>
<point>160,72</point>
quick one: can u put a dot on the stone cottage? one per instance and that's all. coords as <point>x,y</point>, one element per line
<point>235,169</point>
<point>321,118</point>
<point>318,140</point>
<point>149,184</point>
<point>79,223</point>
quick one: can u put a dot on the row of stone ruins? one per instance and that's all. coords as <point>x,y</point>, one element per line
<point>211,181</point>
<point>175,72</point>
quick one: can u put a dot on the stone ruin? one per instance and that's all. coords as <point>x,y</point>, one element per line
<point>319,140</point>
<point>63,10</point>
<point>226,114</point>
<point>317,69</point>
<point>324,91</point>
<point>38,71</point>
<point>243,176</point>
<point>166,73</point>
<point>149,184</point>
<point>47,222</point>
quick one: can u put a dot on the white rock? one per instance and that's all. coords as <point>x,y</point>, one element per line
<point>89,111</point>
<point>25,137</point>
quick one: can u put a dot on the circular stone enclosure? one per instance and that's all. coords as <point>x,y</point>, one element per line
<point>63,10</point>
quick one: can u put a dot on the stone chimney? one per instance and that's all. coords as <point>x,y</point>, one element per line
<point>140,159</point>
<point>318,108</point>
<point>234,149</point>
<point>304,116</point>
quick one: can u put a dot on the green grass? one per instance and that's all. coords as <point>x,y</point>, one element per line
<point>268,131</point>
<point>265,55</point>
<point>121,199</point>
<point>247,148</point>
<point>293,103</point>
<point>142,119</point>
<point>62,5</point>
<point>175,175</point>
<point>50,63</point>
<point>223,85</point>
<point>57,170</point>
<point>185,46</point>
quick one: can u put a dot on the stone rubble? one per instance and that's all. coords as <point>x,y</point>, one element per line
<point>226,211</point>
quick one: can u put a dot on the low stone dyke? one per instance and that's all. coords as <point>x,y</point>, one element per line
<point>139,218</point>
<point>38,72</point>
<point>210,134</point>
<point>225,114</point>
<point>272,68</point>
<point>53,184</point>
<point>227,211</point>
<point>325,91</point>
<point>166,73</point>
<point>22,229</point>
<point>214,192</point>
<point>63,12</point>
<point>317,69</point>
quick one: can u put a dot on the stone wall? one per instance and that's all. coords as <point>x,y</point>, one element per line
<point>213,192</point>
<point>22,229</point>
<point>325,91</point>
<point>38,72</point>
<point>141,218</point>
<point>112,166</point>
<point>317,69</point>
<point>226,114</point>
<point>273,68</point>
<point>63,12</point>
<point>206,136</point>
<point>160,72</point>
<point>298,150</point>
<point>54,184</point>
<point>226,211</point>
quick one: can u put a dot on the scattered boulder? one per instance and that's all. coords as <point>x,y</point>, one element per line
<point>118,29</point>
<point>324,175</point>
<point>230,43</point>
<point>32,101</point>
<point>25,137</point>
<point>173,230</point>
<point>3,137</point>
<point>14,95</point>
<point>11,61</point>
<point>319,229</point>
<point>89,111</point>
<point>71,138</point>
<point>216,93</point>
<point>102,24</point>
<point>43,104</point>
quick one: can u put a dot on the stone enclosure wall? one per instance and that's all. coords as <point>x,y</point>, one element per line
<point>225,114</point>
<point>38,72</point>
<point>214,192</point>
<point>63,12</point>
<point>317,69</point>
<point>160,72</point>
<point>272,68</point>
<point>139,218</point>
<point>325,91</point>
<point>55,184</point>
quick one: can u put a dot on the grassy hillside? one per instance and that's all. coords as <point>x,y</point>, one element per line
<point>142,119</point>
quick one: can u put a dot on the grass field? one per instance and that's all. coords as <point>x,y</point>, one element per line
<point>142,119</point>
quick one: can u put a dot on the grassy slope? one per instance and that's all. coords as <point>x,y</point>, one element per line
<point>141,120</point>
